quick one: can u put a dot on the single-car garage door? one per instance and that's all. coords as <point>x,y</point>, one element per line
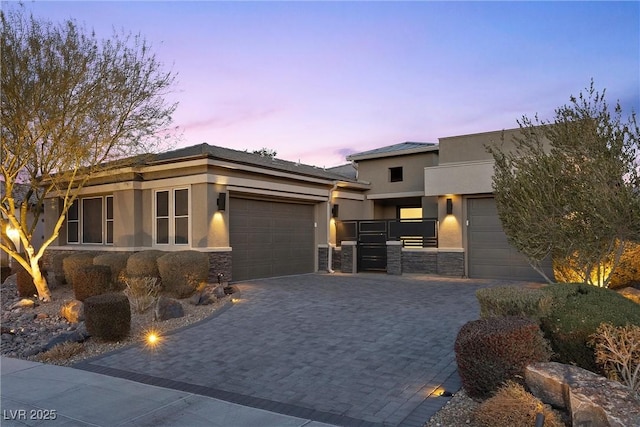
<point>490,254</point>
<point>270,238</point>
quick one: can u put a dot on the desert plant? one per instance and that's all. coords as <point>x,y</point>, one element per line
<point>117,262</point>
<point>577,310</point>
<point>143,264</point>
<point>182,272</point>
<point>74,262</point>
<point>493,350</point>
<point>512,301</point>
<point>142,292</point>
<point>513,406</point>
<point>91,280</point>
<point>61,352</point>
<point>24,281</point>
<point>617,351</point>
<point>108,316</point>
<point>57,266</point>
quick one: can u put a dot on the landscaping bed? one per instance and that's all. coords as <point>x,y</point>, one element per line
<point>27,329</point>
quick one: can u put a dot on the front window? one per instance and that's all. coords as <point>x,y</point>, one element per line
<point>172,217</point>
<point>90,221</point>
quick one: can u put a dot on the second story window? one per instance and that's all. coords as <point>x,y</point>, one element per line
<point>395,174</point>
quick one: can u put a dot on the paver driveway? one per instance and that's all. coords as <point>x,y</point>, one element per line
<point>361,349</point>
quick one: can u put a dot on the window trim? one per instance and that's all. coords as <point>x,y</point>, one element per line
<point>104,220</point>
<point>75,221</point>
<point>171,218</point>
<point>394,171</point>
<point>108,220</point>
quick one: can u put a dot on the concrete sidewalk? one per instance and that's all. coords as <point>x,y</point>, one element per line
<point>35,394</point>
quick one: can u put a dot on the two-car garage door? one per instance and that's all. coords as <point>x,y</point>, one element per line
<point>490,254</point>
<point>270,238</point>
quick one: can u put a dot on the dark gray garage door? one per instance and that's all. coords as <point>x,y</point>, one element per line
<point>490,254</point>
<point>270,239</point>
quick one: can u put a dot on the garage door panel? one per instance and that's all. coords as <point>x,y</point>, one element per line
<point>489,253</point>
<point>270,238</point>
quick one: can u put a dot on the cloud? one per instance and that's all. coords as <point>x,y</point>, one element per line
<point>230,119</point>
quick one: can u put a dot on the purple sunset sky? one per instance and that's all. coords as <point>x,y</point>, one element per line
<point>317,81</point>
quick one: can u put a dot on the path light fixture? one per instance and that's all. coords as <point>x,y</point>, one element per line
<point>449,206</point>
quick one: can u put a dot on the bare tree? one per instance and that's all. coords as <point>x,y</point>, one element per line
<point>571,189</point>
<point>72,106</point>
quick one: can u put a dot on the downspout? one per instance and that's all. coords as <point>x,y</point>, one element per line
<point>330,217</point>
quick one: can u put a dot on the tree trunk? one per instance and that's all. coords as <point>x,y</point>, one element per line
<point>40,281</point>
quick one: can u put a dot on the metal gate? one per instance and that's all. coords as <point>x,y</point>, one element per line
<point>372,236</point>
<point>372,246</point>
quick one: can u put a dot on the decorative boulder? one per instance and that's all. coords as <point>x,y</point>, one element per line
<point>208,295</point>
<point>592,399</point>
<point>167,308</point>
<point>72,311</point>
<point>23,303</point>
<point>79,335</point>
<point>631,293</point>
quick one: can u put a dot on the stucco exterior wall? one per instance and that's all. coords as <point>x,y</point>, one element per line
<point>376,171</point>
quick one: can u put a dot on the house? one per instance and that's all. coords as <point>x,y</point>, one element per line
<point>450,183</point>
<point>254,216</point>
<point>412,207</point>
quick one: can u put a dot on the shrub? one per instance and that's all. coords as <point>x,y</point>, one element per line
<point>24,281</point>
<point>57,266</point>
<point>493,350</point>
<point>117,262</point>
<point>144,263</point>
<point>576,312</point>
<point>512,301</point>
<point>142,292</point>
<point>628,271</point>
<point>74,262</point>
<point>91,280</point>
<point>108,316</point>
<point>62,352</point>
<point>513,406</point>
<point>617,351</point>
<point>182,272</point>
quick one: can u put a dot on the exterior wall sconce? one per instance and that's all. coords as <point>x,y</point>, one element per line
<point>334,211</point>
<point>222,201</point>
<point>449,206</point>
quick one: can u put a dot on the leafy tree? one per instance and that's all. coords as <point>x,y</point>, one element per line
<point>266,152</point>
<point>571,188</point>
<point>72,105</point>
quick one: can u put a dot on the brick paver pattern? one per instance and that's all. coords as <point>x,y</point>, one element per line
<point>366,349</point>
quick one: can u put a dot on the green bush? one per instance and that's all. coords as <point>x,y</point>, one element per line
<point>182,272</point>
<point>108,316</point>
<point>576,312</point>
<point>91,280</point>
<point>512,301</point>
<point>491,351</point>
<point>74,262</point>
<point>143,264</point>
<point>117,262</point>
